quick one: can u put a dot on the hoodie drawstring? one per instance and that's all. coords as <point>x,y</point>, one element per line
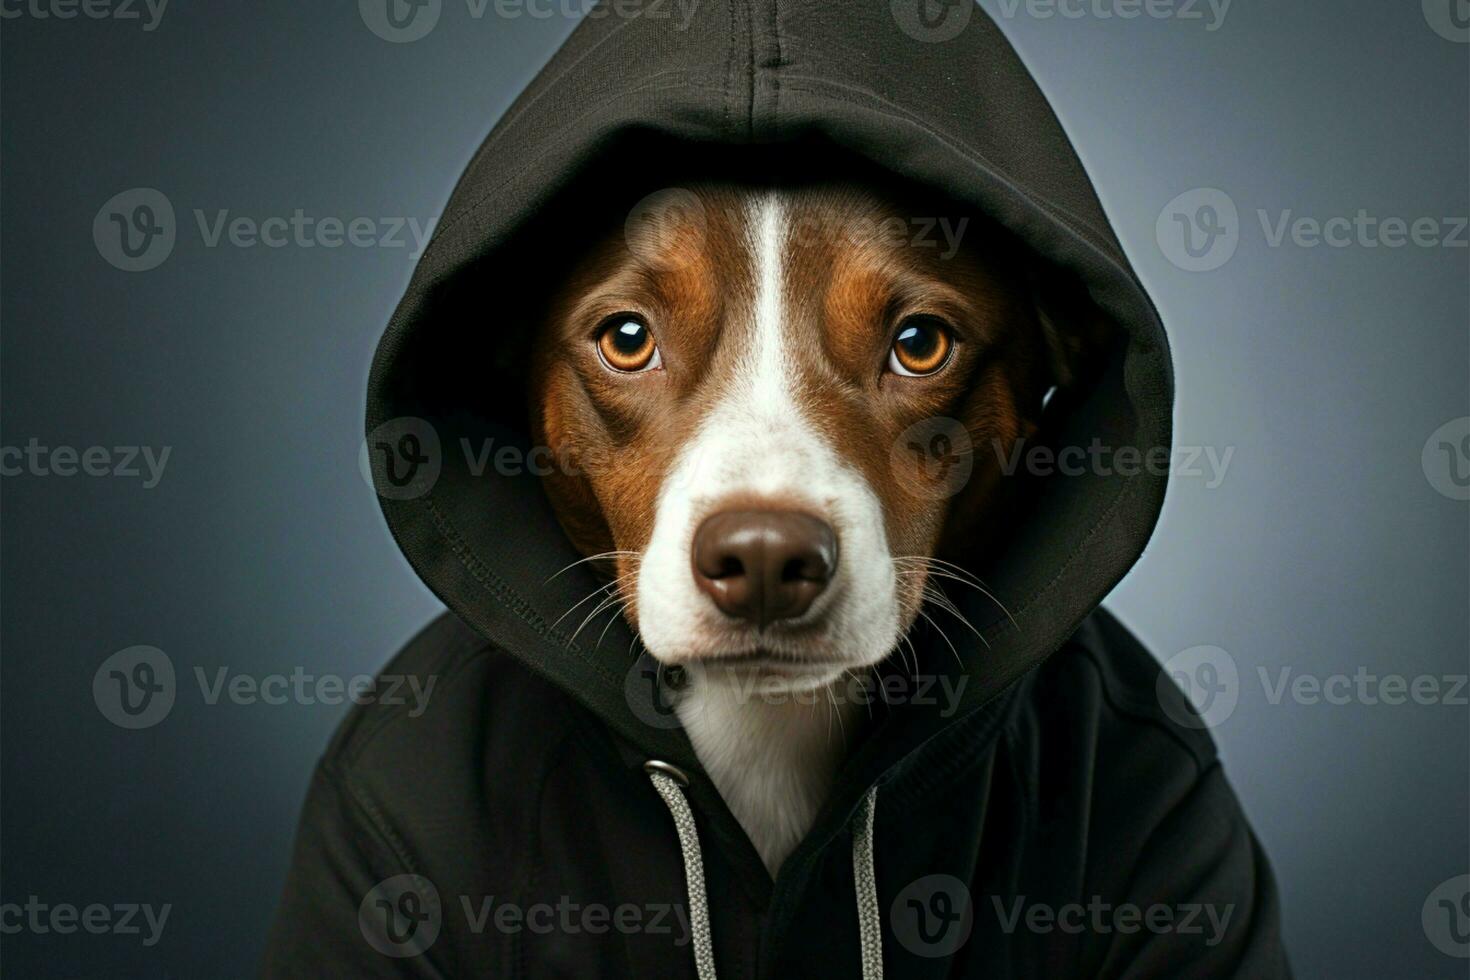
<point>669,781</point>
<point>865,881</point>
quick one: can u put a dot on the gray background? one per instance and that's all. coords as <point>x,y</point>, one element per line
<point>1324,549</point>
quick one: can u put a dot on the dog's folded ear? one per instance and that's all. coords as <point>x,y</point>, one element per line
<point>1075,330</point>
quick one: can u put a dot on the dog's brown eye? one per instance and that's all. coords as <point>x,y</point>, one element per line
<point>626,344</point>
<point>923,346</point>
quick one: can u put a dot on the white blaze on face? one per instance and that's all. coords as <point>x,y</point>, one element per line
<point>756,443</point>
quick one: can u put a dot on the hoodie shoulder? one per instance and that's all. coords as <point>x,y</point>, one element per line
<point>1102,735</point>
<point>1134,688</point>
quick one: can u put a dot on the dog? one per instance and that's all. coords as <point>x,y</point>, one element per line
<point>733,390</point>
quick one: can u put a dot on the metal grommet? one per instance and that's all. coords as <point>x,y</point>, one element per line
<point>673,772</point>
<point>676,677</point>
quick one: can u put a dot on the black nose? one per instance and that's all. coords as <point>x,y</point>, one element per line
<point>764,565</point>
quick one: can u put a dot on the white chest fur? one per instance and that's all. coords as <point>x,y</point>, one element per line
<point>771,756</point>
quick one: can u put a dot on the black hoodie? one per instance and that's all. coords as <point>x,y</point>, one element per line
<point>1051,808</point>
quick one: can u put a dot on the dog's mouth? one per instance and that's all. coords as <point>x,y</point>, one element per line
<point>761,666</point>
<point>765,661</point>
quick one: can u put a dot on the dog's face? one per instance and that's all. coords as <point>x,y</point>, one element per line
<point>742,395</point>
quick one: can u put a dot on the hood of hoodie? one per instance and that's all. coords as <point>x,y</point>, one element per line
<point>654,94</point>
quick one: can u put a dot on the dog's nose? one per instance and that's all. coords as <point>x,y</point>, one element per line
<point>764,565</point>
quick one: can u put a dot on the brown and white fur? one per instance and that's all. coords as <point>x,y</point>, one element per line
<point>774,314</point>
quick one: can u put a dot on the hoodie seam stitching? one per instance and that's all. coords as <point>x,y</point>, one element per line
<point>376,823</point>
<point>370,816</point>
<point>729,87</point>
<point>751,74</point>
<point>775,72</point>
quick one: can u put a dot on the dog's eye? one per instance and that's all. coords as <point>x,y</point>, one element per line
<point>923,346</point>
<point>626,344</point>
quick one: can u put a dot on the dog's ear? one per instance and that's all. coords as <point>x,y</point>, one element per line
<point>1074,329</point>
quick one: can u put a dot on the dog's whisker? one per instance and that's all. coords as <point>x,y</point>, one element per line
<point>610,620</point>
<point>942,601</point>
<point>945,637</point>
<point>613,600</point>
<point>583,561</point>
<point>913,651</point>
<point>834,712</point>
<point>591,595</point>
<point>987,594</point>
<point>931,593</point>
<point>869,705</point>
<point>615,585</point>
<point>939,563</point>
<point>928,569</point>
